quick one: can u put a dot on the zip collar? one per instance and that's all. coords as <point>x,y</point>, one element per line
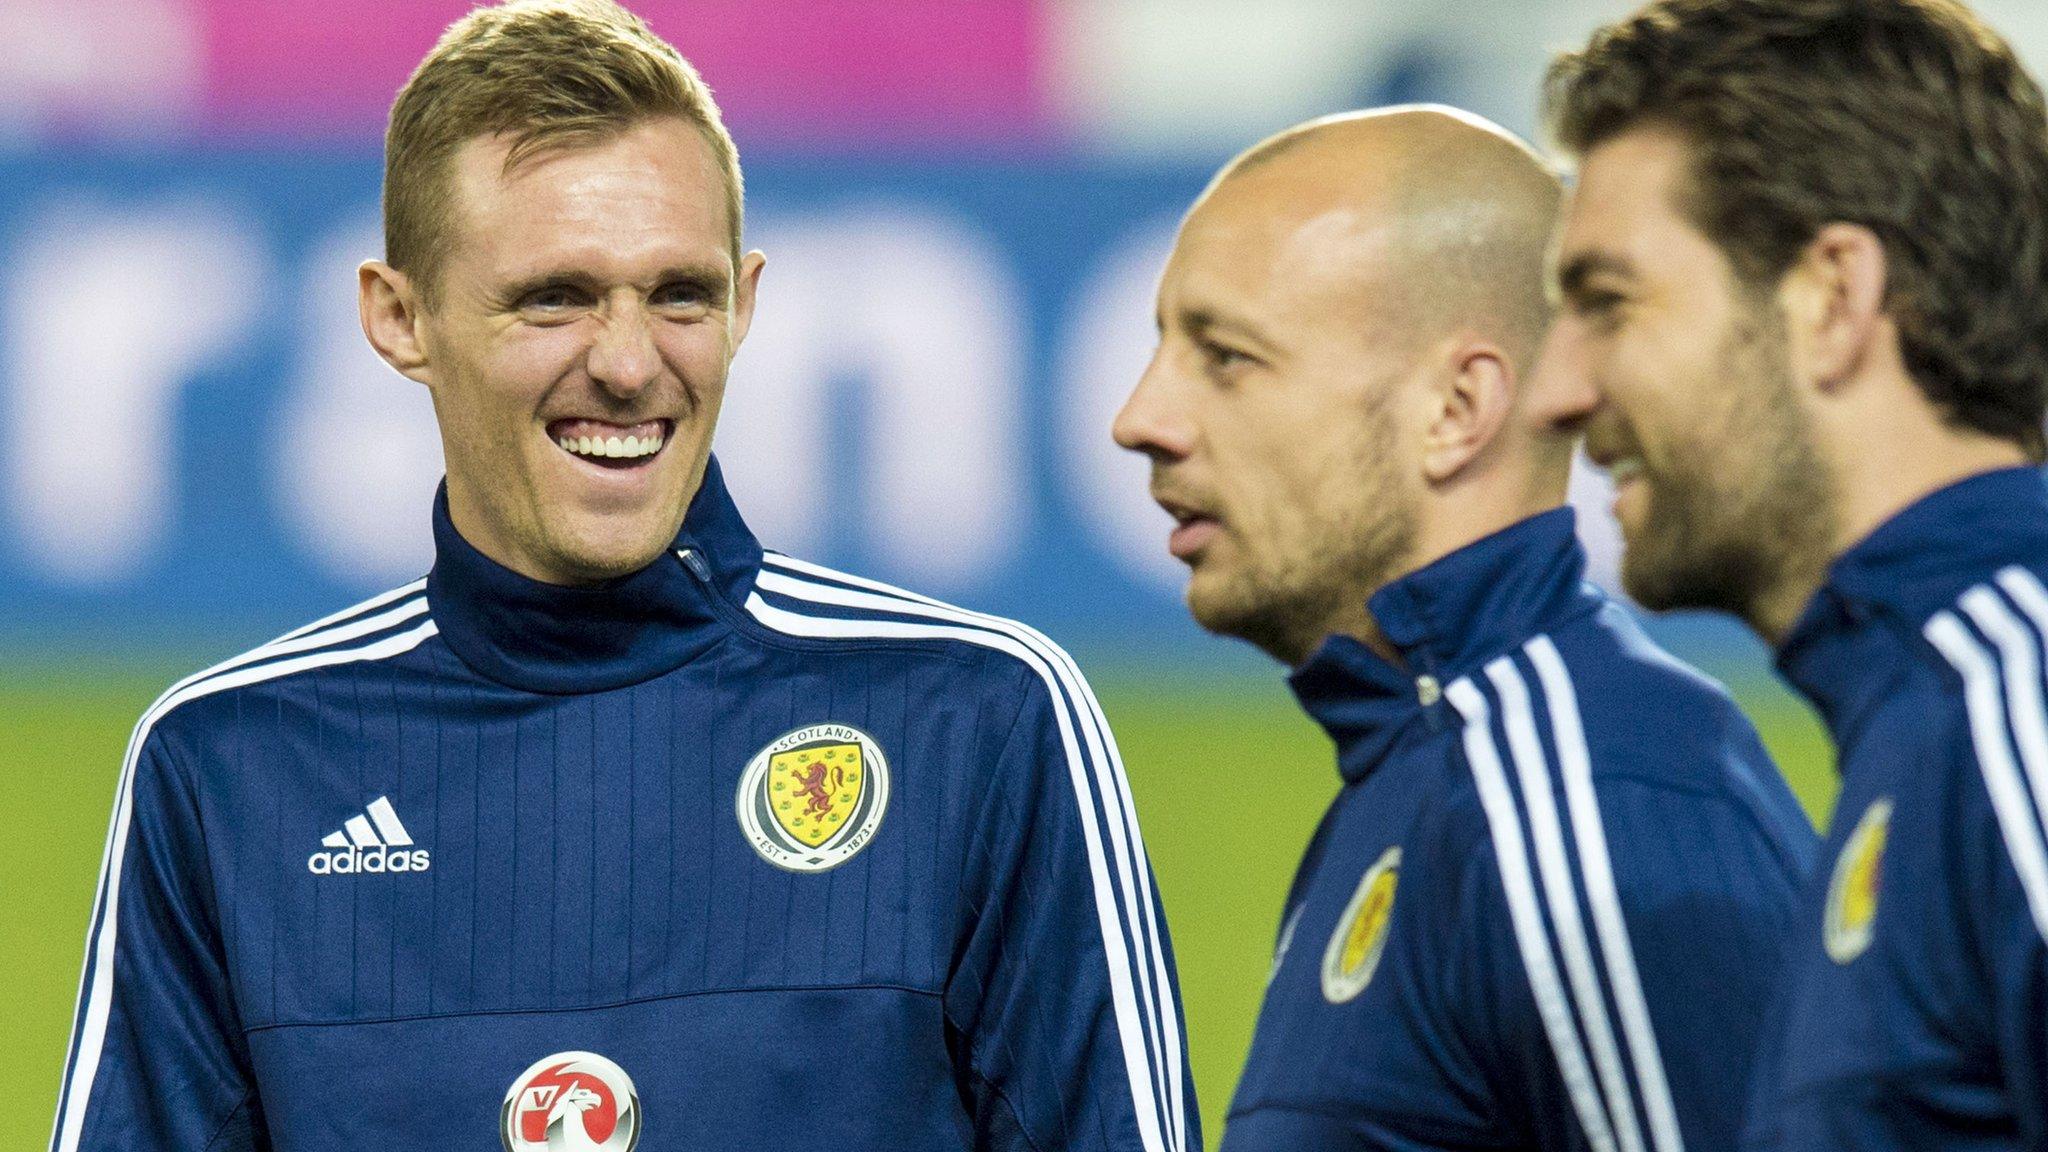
<point>1841,654</point>
<point>559,640</point>
<point>1446,620</point>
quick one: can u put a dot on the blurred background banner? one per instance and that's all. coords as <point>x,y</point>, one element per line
<point>965,205</point>
<point>212,449</point>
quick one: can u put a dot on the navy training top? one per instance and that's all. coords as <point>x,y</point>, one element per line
<point>1915,1011</point>
<point>1546,908</point>
<point>732,852</point>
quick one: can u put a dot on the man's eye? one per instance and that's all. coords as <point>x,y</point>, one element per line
<point>1223,356</point>
<point>1597,305</point>
<point>549,299</point>
<point>681,296</point>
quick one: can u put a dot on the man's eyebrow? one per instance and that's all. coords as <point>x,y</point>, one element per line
<point>712,279</point>
<point>1581,267</point>
<point>1204,321</point>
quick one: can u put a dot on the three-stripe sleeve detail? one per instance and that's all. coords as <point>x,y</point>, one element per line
<point>1552,1005</point>
<point>1558,876</point>
<point>2008,721</point>
<point>1575,762</point>
<point>1148,1026</point>
<point>393,619</point>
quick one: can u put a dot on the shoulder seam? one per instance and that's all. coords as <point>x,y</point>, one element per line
<point>792,572</point>
<point>353,623</point>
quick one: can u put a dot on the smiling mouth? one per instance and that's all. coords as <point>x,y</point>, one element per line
<point>613,446</point>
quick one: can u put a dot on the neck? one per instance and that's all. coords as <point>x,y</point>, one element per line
<point>489,536</point>
<point>1353,621</point>
<point>1877,468</point>
<point>1446,521</point>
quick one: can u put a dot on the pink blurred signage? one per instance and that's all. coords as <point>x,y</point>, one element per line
<point>806,72</point>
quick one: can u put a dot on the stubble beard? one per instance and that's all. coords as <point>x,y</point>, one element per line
<point>1291,594</point>
<point>1738,522</point>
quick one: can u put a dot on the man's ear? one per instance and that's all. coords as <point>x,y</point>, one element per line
<point>1833,301</point>
<point>745,285</point>
<point>1469,406</point>
<point>391,319</point>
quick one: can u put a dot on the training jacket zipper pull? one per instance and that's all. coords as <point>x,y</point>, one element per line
<point>695,564</point>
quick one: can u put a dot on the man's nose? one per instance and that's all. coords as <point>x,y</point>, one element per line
<point>1561,392</point>
<point>1150,420</point>
<point>623,359</point>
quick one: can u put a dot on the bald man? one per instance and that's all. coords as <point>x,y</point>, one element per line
<point>1547,905</point>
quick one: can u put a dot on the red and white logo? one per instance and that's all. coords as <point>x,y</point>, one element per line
<point>571,1102</point>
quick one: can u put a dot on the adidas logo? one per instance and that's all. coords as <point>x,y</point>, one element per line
<point>370,842</point>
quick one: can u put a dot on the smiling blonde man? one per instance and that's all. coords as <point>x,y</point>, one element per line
<point>615,826</point>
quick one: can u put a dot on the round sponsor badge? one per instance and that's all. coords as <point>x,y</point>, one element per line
<point>571,1100</point>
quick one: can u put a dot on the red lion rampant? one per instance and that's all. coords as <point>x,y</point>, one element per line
<point>811,785</point>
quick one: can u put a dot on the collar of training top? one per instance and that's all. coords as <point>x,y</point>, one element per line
<point>1446,619</point>
<point>1912,566</point>
<point>560,640</point>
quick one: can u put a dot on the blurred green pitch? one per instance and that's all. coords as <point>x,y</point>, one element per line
<point>1230,780</point>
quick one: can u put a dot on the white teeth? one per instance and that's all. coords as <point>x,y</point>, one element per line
<point>611,447</point>
<point>1624,470</point>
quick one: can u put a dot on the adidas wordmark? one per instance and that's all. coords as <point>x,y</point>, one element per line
<point>374,841</point>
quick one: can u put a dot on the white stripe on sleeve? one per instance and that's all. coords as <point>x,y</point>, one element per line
<point>1510,852</point>
<point>1596,866</point>
<point>1133,1027</point>
<point>1562,897</point>
<point>1109,769</point>
<point>96,984</point>
<point>1982,700</point>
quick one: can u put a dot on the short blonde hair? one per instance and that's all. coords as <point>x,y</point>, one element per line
<point>550,74</point>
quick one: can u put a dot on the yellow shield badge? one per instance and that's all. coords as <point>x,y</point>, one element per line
<point>814,789</point>
<point>1361,935</point>
<point>813,797</point>
<point>1857,883</point>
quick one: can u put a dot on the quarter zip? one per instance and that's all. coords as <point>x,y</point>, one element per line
<point>727,613</point>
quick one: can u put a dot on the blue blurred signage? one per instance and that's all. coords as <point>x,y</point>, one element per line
<point>201,444</point>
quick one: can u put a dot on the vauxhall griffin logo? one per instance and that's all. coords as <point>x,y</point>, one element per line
<point>571,1102</point>
<point>372,841</point>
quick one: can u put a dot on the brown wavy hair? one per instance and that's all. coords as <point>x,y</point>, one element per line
<point>1912,118</point>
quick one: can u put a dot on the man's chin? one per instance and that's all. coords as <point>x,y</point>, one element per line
<point>607,553</point>
<point>1228,610</point>
<point>1670,582</point>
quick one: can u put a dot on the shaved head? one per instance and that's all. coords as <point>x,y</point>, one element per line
<point>1346,325</point>
<point>1450,210</point>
